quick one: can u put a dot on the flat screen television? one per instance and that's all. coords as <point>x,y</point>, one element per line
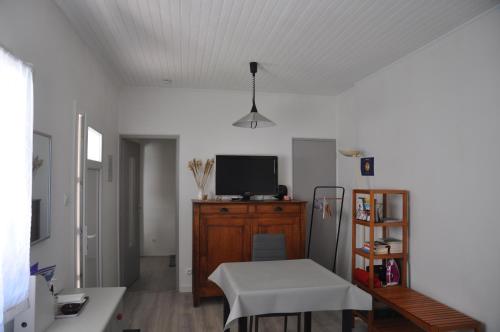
<point>246,175</point>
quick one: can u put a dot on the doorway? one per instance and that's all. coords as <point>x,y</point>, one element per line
<point>88,205</point>
<point>148,213</point>
<point>314,163</point>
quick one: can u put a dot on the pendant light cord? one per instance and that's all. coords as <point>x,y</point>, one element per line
<point>253,124</point>
<point>253,88</point>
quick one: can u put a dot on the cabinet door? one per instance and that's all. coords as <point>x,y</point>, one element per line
<point>222,239</point>
<point>288,225</point>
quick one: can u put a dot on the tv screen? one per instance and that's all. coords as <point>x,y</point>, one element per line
<point>236,175</point>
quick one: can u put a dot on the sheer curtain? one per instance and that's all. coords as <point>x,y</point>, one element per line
<point>16,140</point>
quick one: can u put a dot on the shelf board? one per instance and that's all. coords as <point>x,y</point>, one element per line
<point>379,224</point>
<point>360,252</point>
<point>381,191</point>
<point>373,291</point>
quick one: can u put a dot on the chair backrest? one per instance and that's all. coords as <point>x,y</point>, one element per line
<point>268,247</point>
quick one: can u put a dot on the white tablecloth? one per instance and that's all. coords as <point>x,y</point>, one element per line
<point>256,288</point>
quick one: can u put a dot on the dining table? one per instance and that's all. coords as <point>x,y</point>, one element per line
<point>285,286</point>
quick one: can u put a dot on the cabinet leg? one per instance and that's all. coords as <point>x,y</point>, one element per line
<point>196,300</point>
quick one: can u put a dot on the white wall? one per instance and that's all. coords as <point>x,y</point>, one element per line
<point>67,78</point>
<point>431,121</point>
<point>159,198</point>
<point>203,119</point>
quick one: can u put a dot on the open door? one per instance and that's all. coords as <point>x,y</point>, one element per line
<point>91,229</point>
<point>129,212</point>
<point>88,198</point>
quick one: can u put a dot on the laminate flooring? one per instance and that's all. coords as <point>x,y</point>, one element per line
<point>153,305</point>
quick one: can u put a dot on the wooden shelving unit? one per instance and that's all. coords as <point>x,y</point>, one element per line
<point>390,201</point>
<point>396,308</point>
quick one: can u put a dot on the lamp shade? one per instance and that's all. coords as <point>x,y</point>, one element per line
<point>254,120</point>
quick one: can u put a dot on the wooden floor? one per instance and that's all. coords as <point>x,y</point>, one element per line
<point>156,275</point>
<point>153,305</point>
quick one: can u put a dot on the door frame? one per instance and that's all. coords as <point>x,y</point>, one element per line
<point>118,224</point>
<point>97,166</point>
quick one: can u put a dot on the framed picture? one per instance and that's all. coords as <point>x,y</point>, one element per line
<point>41,187</point>
<point>368,166</point>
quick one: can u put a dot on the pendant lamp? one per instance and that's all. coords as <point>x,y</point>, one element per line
<point>253,119</point>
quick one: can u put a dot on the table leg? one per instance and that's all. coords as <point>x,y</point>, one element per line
<point>307,321</point>
<point>242,324</point>
<point>347,321</point>
<point>225,314</point>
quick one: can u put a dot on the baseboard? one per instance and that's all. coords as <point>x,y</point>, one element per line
<point>157,255</point>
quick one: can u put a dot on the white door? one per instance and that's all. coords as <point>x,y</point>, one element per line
<point>91,227</point>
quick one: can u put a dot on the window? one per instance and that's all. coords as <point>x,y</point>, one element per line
<point>16,142</point>
<point>94,145</point>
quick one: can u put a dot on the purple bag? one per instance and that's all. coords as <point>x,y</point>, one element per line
<point>392,273</point>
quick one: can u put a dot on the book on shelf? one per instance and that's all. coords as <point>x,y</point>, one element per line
<point>379,247</point>
<point>395,245</point>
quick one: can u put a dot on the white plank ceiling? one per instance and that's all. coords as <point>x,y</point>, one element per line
<point>302,46</point>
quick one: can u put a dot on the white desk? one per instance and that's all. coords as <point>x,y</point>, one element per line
<point>285,286</point>
<point>98,315</point>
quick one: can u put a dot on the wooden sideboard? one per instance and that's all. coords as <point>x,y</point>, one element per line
<point>223,232</point>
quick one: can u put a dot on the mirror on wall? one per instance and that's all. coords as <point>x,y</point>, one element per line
<point>40,203</point>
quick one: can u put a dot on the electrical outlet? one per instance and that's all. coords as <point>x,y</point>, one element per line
<point>189,271</point>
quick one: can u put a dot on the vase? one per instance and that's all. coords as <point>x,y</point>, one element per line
<point>200,194</point>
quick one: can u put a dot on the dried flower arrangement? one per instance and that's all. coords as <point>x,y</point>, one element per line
<point>201,173</point>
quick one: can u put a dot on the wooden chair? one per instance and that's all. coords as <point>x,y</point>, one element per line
<point>271,247</point>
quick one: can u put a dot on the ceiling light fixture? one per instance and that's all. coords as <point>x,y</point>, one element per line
<point>253,119</point>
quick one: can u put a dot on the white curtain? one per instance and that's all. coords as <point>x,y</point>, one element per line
<point>16,140</point>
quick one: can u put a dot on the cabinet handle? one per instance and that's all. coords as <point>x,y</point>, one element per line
<point>224,210</point>
<point>278,209</point>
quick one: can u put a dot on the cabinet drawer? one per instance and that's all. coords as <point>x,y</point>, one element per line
<point>278,208</point>
<point>224,208</point>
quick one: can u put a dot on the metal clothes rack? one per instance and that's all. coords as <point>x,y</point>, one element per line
<point>313,208</point>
